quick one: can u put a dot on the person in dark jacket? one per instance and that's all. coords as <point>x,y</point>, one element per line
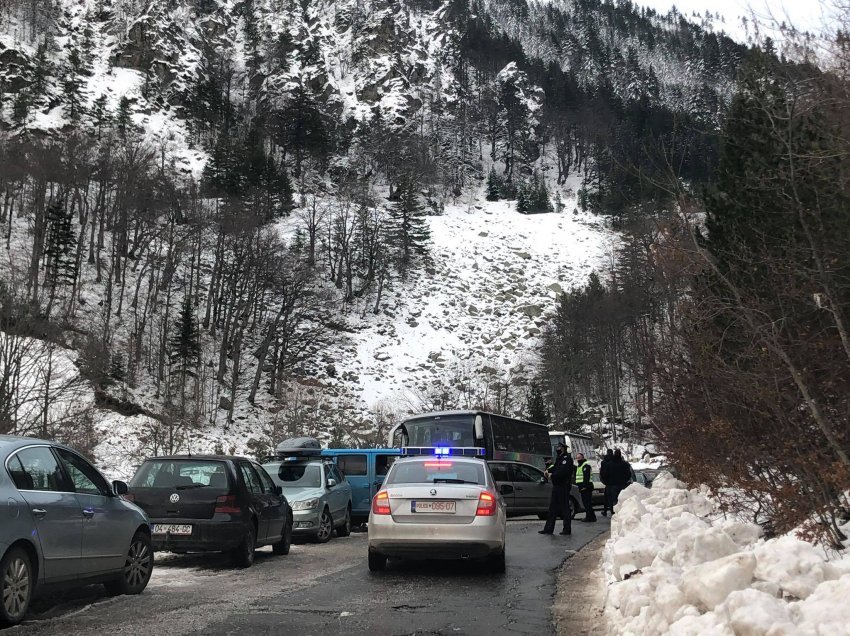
<point>620,476</point>
<point>560,475</point>
<point>585,486</point>
<point>605,478</point>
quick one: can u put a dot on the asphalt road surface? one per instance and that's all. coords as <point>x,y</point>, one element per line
<point>328,589</point>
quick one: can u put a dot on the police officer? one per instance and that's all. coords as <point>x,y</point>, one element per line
<point>560,475</point>
<point>585,486</point>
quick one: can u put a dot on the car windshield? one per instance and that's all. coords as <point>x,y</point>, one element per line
<point>296,475</point>
<point>451,430</point>
<point>437,471</point>
<point>181,474</point>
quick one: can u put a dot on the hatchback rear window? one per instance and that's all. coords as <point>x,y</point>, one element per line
<point>437,471</point>
<point>180,474</point>
<point>296,475</point>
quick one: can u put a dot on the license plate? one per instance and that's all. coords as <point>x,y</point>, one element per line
<point>444,507</point>
<point>171,528</point>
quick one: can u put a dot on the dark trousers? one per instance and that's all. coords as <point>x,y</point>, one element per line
<point>586,496</point>
<point>559,506</point>
<point>616,489</point>
<point>609,500</point>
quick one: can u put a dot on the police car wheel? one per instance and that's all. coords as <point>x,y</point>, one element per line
<point>377,561</point>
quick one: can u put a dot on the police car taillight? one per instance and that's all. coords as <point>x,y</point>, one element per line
<point>381,503</point>
<point>486,505</point>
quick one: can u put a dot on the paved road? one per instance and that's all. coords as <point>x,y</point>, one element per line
<point>327,589</point>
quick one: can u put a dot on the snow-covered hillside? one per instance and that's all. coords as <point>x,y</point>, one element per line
<point>470,320</point>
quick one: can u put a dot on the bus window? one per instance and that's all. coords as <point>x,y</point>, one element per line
<point>452,430</point>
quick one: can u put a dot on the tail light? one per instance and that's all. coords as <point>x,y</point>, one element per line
<point>486,505</point>
<point>227,504</point>
<point>381,503</point>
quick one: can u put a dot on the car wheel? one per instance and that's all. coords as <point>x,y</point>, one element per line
<point>16,583</point>
<point>243,556</point>
<point>138,567</point>
<point>377,561</point>
<point>282,546</point>
<point>345,529</point>
<point>496,563</point>
<point>326,526</point>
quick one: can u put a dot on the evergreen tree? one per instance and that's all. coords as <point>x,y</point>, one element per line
<point>185,343</point>
<point>535,406</point>
<point>72,87</point>
<point>493,186</point>
<point>60,241</point>
<point>411,233</point>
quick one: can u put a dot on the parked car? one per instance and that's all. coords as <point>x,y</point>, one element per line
<point>528,491</point>
<point>65,524</point>
<point>364,469</point>
<point>319,495</point>
<point>200,503</point>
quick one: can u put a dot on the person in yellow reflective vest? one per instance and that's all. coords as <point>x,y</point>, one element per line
<point>584,482</point>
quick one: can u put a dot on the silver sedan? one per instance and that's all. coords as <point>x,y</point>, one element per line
<point>64,523</point>
<point>438,508</point>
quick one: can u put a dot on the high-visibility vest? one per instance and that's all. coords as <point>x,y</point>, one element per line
<point>580,473</point>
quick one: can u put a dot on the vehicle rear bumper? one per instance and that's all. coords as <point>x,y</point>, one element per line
<point>306,521</point>
<point>478,539</point>
<point>206,535</point>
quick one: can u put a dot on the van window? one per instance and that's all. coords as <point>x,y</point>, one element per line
<point>383,463</point>
<point>352,465</point>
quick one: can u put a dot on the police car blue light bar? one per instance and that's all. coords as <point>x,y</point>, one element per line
<point>444,451</point>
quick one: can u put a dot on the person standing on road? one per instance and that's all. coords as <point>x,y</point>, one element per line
<point>620,476</point>
<point>559,502</point>
<point>605,478</point>
<point>585,486</point>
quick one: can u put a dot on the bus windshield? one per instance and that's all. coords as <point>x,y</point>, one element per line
<point>446,430</point>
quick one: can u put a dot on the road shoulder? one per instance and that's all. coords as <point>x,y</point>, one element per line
<point>580,592</point>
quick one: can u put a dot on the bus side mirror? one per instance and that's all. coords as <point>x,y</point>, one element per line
<point>479,427</point>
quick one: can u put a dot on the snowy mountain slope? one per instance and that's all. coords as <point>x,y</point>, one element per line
<point>466,327</point>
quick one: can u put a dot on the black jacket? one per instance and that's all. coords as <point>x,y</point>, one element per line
<point>605,470</point>
<point>620,473</point>
<point>564,469</point>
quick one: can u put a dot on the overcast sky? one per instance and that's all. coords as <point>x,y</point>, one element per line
<point>804,14</point>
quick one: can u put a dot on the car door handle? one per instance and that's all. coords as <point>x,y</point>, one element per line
<point>88,513</point>
<point>39,512</point>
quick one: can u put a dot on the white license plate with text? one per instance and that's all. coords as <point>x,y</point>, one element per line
<point>443,507</point>
<point>171,528</point>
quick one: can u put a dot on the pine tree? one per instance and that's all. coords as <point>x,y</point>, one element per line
<point>72,87</point>
<point>493,186</point>
<point>124,118</point>
<point>59,245</point>
<point>523,203</point>
<point>411,233</point>
<point>535,407</point>
<point>185,343</point>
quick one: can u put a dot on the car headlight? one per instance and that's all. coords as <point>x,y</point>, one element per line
<point>306,504</point>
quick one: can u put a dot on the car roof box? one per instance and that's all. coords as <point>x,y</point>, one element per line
<point>299,446</point>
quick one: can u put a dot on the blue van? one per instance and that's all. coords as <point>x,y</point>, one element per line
<point>364,469</point>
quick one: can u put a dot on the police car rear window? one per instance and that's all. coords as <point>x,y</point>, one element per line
<point>437,471</point>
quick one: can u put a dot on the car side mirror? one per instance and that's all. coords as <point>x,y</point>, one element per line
<point>506,489</point>
<point>120,487</point>
<point>331,483</point>
<point>278,490</point>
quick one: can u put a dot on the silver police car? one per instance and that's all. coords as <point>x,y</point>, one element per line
<point>63,523</point>
<point>439,506</point>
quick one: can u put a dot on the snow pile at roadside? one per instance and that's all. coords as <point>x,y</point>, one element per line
<point>676,565</point>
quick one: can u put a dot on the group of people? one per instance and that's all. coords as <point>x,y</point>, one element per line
<point>615,473</point>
